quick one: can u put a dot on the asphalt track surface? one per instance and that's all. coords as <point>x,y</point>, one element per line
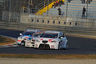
<point>77,45</point>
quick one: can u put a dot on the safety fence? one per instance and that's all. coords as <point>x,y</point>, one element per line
<point>12,9</point>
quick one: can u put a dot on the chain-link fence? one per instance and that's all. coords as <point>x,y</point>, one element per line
<point>11,10</point>
<point>1,8</point>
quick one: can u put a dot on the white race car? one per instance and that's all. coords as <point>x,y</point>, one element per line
<point>51,40</point>
<point>31,41</point>
<point>25,35</point>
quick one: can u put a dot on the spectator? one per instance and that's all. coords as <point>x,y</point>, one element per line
<point>56,4</point>
<point>59,11</point>
<point>61,2</point>
<point>83,11</point>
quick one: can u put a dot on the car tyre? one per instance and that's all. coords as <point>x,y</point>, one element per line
<point>59,46</point>
<point>23,43</point>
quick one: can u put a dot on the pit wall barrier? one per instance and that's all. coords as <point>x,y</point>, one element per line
<point>58,21</point>
<point>46,8</point>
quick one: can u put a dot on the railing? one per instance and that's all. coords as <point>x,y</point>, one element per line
<point>43,4</point>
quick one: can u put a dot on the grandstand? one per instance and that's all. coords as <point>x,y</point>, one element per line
<point>14,8</point>
<point>74,9</point>
<point>25,6</point>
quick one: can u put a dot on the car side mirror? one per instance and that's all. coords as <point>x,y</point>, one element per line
<point>61,37</point>
<point>20,34</point>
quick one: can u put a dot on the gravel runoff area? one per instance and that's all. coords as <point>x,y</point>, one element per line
<point>46,61</point>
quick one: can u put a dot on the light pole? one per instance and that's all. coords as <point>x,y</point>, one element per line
<point>9,10</point>
<point>86,8</point>
<point>44,3</point>
<point>87,3</point>
<point>47,6</point>
<point>66,8</point>
<point>28,7</point>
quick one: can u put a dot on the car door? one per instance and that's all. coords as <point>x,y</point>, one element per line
<point>61,40</point>
<point>64,44</point>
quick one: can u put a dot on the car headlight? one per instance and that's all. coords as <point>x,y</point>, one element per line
<point>54,41</point>
<point>19,37</point>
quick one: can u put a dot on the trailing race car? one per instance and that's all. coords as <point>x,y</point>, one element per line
<point>25,35</point>
<point>31,41</point>
<point>51,40</point>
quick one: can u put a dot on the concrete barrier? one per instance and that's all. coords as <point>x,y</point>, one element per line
<point>69,25</point>
<point>58,21</point>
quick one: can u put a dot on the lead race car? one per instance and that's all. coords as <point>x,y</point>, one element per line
<point>51,40</point>
<point>25,35</point>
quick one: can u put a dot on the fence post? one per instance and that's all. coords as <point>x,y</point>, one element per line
<point>66,8</point>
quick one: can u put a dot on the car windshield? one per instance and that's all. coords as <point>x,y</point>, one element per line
<point>36,35</point>
<point>49,35</point>
<point>28,33</point>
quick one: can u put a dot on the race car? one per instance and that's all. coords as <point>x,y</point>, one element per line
<point>51,40</point>
<point>25,35</point>
<point>31,41</point>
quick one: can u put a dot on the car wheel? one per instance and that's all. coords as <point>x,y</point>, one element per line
<point>23,43</point>
<point>59,46</point>
<point>40,47</point>
<point>65,48</point>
